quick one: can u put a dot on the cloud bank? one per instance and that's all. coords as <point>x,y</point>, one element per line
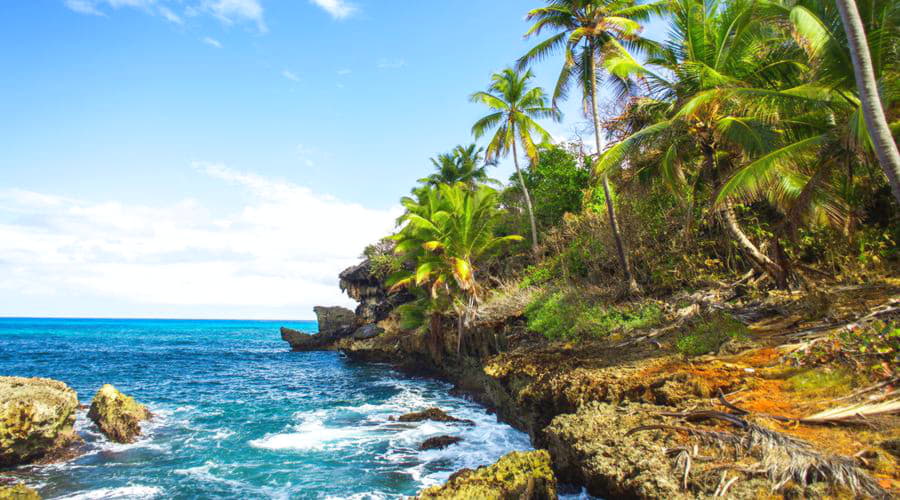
<point>275,255</point>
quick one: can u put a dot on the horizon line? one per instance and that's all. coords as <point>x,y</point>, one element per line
<point>153,318</point>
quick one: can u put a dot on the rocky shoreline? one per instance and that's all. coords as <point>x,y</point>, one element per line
<point>608,415</point>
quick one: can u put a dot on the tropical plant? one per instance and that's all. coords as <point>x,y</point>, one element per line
<point>558,183</point>
<point>464,164</point>
<point>515,106</point>
<point>588,30</point>
<point>446,233</point>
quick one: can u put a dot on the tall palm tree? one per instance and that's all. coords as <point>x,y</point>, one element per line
<point>586,30</point>
<point>464,164</point>
<point>447,232</point>
<point>514,106</point>
<point>864,73</point>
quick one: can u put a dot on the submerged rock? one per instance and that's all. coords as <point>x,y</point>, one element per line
<point>118,416</point>
<point>18,492</point>
<point>516,476</point>
<point>37,416</point>
<point>433,414</point>
<point>439,442</point>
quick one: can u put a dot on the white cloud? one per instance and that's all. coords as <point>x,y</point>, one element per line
<point>390,63</point>
<point>84,7</point>
<point>290,75</point>
<point>339,9</point>
<point>93,6</point>
<point>212,42</point>
<point>277,253</point>
<point>230,11</point>
<point>170,15</point>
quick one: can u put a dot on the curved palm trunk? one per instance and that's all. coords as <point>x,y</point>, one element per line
<point>534,239</point>
<point>885,147</point>
<point>759,259</point>
<point>631,283</point>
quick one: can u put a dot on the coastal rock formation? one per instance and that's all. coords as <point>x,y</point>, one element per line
<point>433,414</point>
<point>516,476</point>
<point>335,323</point>
<point>439,442</point>
<point>18,492</point>
<point>367,332</point>
<point>118,416</point>
<point>375,302</point>
<point>37,416</point>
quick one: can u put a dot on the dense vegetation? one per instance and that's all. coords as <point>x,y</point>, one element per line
<point>742,145</point>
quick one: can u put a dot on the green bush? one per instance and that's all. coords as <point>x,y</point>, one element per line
<point>565,316</point>
<point>709,334</point>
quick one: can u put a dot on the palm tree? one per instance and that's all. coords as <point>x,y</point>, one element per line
<point>447,232</point>
<point>586,29</point>
<point>864,73</point>
<point>464,164</point>
<point>514,106</point>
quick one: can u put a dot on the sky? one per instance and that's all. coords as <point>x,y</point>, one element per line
<point>226,158</point>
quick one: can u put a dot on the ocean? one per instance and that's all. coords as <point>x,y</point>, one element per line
<point>237,415</point>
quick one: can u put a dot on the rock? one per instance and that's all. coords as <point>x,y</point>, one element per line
<point>368,332</point>
<point>434,414</point>
<point>118,416</point>
<point>516,476</point>
<point>37,416</point>
<point>302,341</point>
<point>335,321</point>
<point>18,492</point>
<point>591,447</point>
<point>439,442</point>
<point>375,302</point>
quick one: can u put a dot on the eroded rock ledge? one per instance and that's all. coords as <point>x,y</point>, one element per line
<point>516,476</point>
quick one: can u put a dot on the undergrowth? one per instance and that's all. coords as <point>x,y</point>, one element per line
<point>563,315</point>
<point>707,335</point>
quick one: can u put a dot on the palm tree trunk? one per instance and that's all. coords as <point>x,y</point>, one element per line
<point>759,259</point>
<point>534,239</point>
<point>885,147</point>
<point>624,262</point>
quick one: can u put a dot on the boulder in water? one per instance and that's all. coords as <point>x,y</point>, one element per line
<point>118,416</point>
<point>433,414</point>
<point>37,417</point>
<point>516,476</point>
<point>439,442</point>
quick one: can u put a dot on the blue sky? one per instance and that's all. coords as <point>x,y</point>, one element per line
<point>225,158</point>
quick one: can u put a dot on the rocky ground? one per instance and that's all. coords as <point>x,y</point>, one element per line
<point>630,417</point>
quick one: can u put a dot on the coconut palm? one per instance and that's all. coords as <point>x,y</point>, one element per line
<point>586,30</point>
<point>864,73</point>
<point>514,107</point>
<point>464,164</point>
<point>447,232</point>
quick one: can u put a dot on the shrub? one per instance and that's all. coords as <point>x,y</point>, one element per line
<point>562,315</point>
<point>708,334</point>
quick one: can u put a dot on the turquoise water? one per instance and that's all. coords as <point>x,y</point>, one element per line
<point>239,416</point>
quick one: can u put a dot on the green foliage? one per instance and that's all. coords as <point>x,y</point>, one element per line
<point>822,382</point>
<point>708,334</point>
<point>537,274</point>
<point>557,184</point>
<point>382,260</point>
<point>562,315</point>
<point>464,164</point>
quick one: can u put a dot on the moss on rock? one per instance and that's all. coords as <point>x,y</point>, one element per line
<point>118,416</point>
<point>18,492</point>
<point>516,476</point>
<point>37,418</point>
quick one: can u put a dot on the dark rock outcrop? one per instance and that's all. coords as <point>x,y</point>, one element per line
<point>367,332</point>
<point>375,302</point>
<point>37,418</point>
<point>516,476</point>
<point>439,442</point>
<point>335,323</point>
<point>433,414</point>
<point>118,416</point>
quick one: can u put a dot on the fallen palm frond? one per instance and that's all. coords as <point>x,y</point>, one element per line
<point>857,413</point>
<point>783,458</point>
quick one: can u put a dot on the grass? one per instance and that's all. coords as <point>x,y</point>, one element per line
<point>563,315</point>
<point>822,382</point>
<point>708,334</point>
